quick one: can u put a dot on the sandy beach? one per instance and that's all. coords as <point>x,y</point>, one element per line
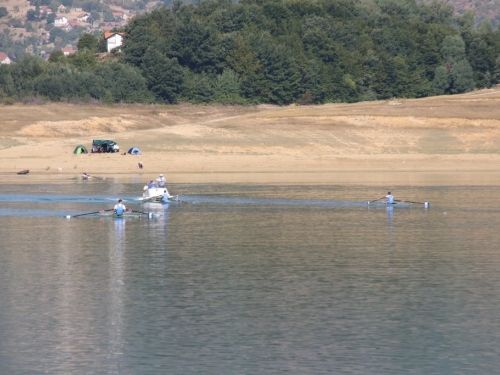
<point>448,133</point>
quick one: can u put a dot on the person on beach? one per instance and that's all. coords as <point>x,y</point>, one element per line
<point>161,181</point>
<point>119,208</point>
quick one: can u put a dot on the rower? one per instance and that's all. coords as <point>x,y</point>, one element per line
<point>151,185</point>
<point>85,176</point>
<point>120,208</point>
<point>390,198</point>
<point>166,196</point>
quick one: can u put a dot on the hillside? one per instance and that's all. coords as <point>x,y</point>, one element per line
<point>450,133</point>
<point>484,9</point>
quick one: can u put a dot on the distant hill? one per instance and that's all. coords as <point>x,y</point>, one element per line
<point>485,9</point>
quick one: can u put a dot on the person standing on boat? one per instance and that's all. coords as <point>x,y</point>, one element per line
<point>119,208</point>
<point>161,181</point>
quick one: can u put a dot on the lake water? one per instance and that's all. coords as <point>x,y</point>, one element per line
<point>260,274</point>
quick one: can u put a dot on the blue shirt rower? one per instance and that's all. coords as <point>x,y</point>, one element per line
<point>120,208</point>
<point>390,198</point>
<point>166,196</point>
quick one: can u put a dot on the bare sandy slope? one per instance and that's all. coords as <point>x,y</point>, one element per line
<point>443,133</point>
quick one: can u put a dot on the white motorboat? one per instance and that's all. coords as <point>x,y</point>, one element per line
<point>156,195</point>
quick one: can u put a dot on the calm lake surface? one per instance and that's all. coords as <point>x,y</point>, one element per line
<point>259,275</point>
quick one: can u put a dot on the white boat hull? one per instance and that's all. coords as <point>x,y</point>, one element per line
<point>156,195</point>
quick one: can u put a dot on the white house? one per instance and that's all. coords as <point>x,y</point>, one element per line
<point>60,22</point>
<point>114,40</point>
<point>4,59</point>
<point>82,17</point>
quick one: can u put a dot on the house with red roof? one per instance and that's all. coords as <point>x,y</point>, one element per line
<point>74,24</point>
<point>68,51</point>
<point>4,59</point>
<point>46,10</point>
<point>114,40</point>
<point>82,17</point>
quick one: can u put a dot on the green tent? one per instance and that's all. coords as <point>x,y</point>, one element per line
<point>80,150</point>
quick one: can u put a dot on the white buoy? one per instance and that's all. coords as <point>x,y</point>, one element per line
<point>68,216</point>
<point>427,204</point>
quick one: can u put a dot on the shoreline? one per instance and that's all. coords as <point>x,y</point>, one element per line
<point>441,134</point>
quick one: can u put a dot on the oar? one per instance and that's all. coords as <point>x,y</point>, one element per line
<point>374,200</point>
<point>99,178</point>
<point>150,214</point>
<point>88,213</point>
<point>424,203</point>
<point>175,198</point>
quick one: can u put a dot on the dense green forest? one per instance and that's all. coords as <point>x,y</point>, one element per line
<point>272,51</point>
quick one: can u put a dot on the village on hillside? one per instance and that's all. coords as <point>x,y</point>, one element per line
<point>26,28</point>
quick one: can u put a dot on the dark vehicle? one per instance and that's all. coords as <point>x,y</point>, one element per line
<point>104,146</point>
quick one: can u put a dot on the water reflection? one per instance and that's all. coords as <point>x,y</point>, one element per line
<point>390,223</point>
<point>116,287</point>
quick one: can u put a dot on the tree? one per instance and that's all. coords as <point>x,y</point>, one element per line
<point>83,59</point>
<point>25,71</point>
<point>242,59</point>
<point>102,44</point>
<point>123,83</point>
<point>281,74</point>
<point>51,18</point>
<point>164,76</point>
<point>32,15</point>
<point>455,75</point>
<point>442,80</point>
<point>227,88</point>
<point>139,40</point>
<point>108,16</point>
<point>496,71</point>
<point>57,56</point>
<point>462,77</point>
<point>199,48</point>
<point>88,42</point>
<point>453,49</point>
<point>96,16</point>
<point>91,6</point>
<point>3,12</point>
<point>51,87</point>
